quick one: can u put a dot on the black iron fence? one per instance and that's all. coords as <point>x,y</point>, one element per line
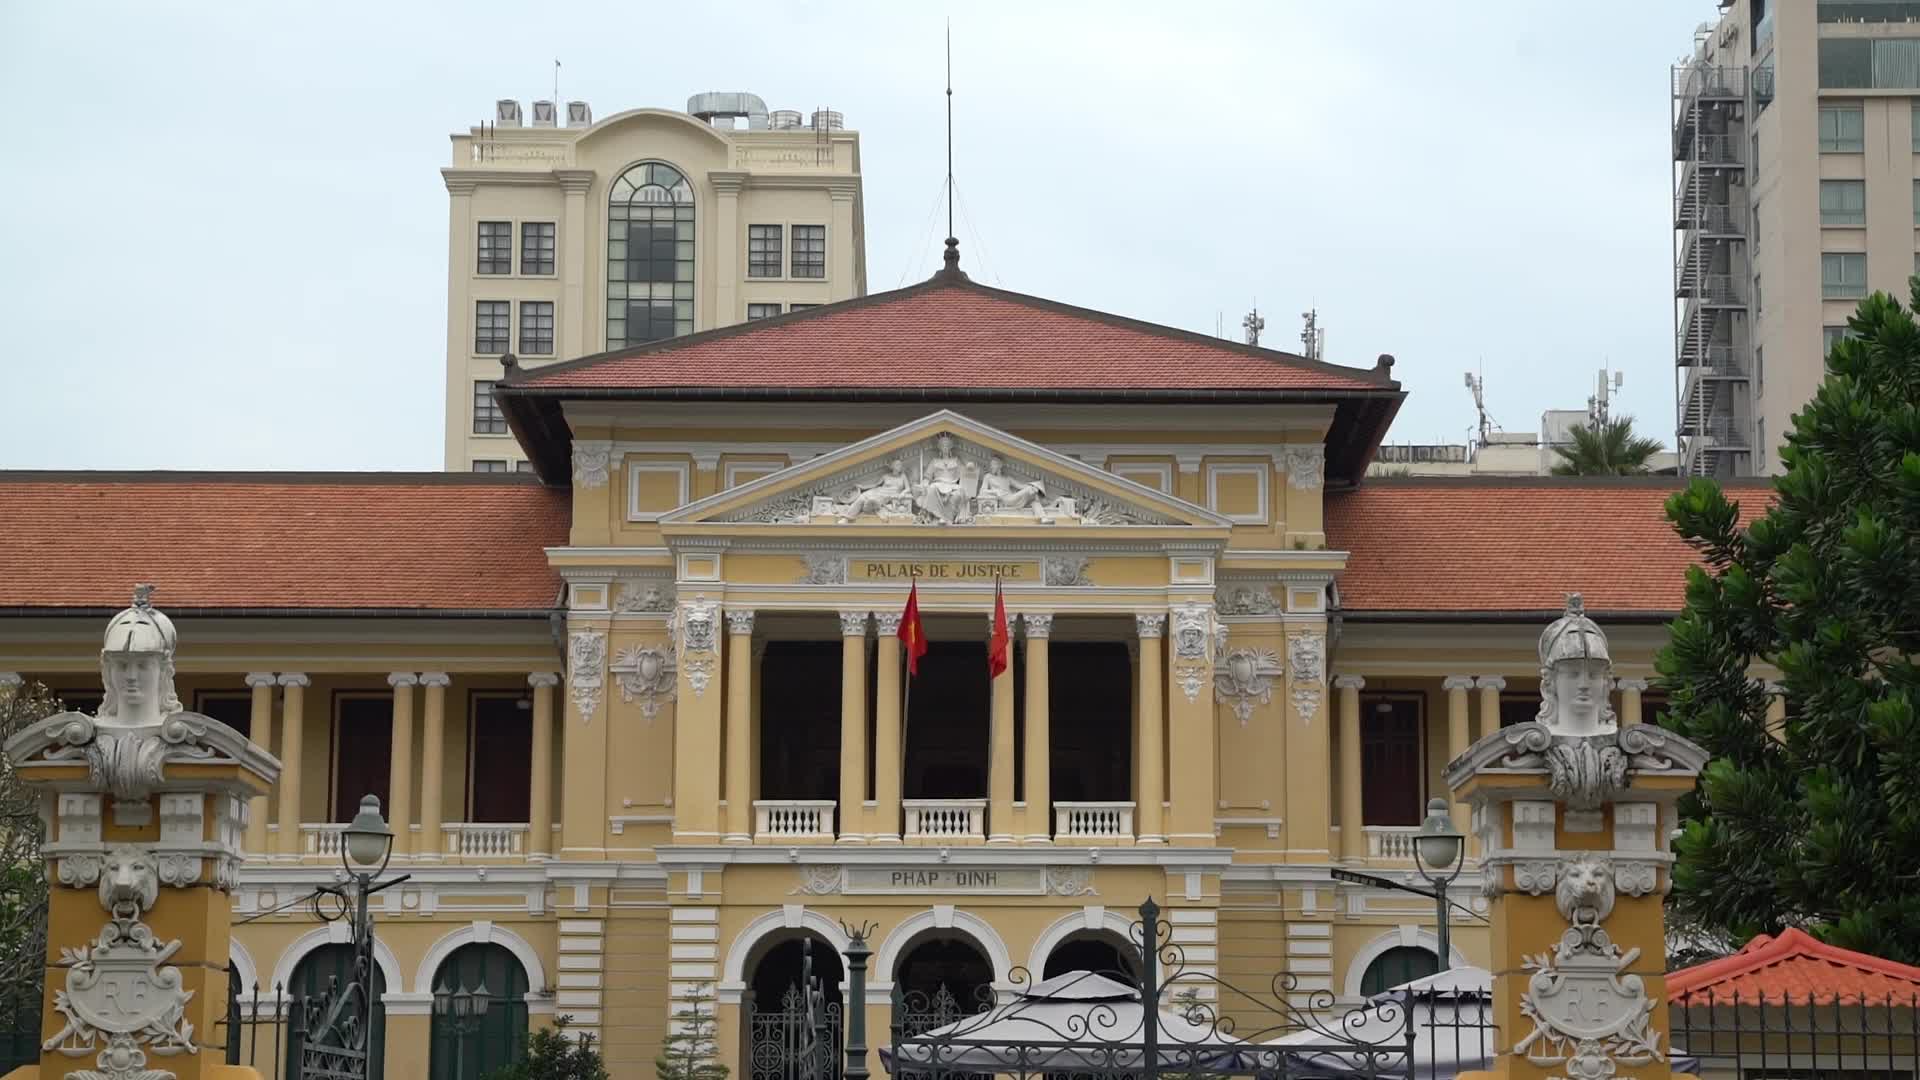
<point>294,1036</point>
<point>1862,1036</point>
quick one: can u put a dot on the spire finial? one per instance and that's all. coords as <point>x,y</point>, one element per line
<point>143,596</point>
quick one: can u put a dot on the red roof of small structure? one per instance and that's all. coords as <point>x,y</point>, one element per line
<point>1795,967</point>
<point>1478,544</point>
<point>436,543</point>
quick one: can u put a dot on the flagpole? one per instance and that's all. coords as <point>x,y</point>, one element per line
<point>906,704</point>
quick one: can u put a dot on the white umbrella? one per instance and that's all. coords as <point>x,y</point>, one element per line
<point>1449,1015</point>
<point>1078,1021</point>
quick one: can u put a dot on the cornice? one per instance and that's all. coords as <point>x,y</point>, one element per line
<point>466,181</point>
<point>714,857</point>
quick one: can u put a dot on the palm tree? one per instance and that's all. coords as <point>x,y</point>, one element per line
<point>1608,448</point>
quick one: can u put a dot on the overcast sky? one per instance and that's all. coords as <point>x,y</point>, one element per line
<point>226,229</point>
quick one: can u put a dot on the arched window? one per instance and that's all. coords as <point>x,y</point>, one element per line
<point>473,1049</point>
<point>649,255</point>
<point>329,966</point>
<point>1402,964</point>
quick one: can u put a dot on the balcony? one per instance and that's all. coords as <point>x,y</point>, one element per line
<point>1394,842</point>
<point>1093,822</point>
<point>946,821</point>
<point>322,840</point>
<point>485,841</point>
<point>793,819</point>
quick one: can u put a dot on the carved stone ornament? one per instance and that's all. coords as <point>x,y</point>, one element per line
<point>647,674</point>
<point>1306,654</point>
<point>1070,881</point>
<point>119,989</point>
<point>825,570</point>
<point>591,462</point>
<point>1590,1014</point>
<point>1245,600</point>
<point>699,669</point>
<point>1536,877</point>
<point>637,597</point>
<point>1244,679</point>
<point>697,619</point>
<point>1192,631</point>
<point>819,879</point>
<point>586,664</point>
<point>946,480</point>
<point>1306,701</point>
<point>1306,465</point>
<point>1066,571</point>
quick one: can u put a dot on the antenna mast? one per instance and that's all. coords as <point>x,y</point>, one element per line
<point>1253,324</point>
<point>1477,385</point>
<point>1313,340</point>
<point>950,234</point>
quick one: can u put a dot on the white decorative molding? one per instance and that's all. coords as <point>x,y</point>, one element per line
<point>1065,571</point>
<point>432,679</point>
<point>646,673</point>
<point>853,624</point>
<point>1151,624</point>
<point>1535,877</point>
<point>887,623</point>
<point>480,932</point>
<point>642,595</point>
<point>1305,465</point>
<point>1192,630</point>
<point>1637,686</point>
<point>905,933</point>
<point>696,625</point>
<point>1590,1014</point>
<point>739,621</point>
<point>1457,682</point>
<point>591,461</point>
<point>1349,682</point>
<point>820,879</point>
<point>825,570</point>
<point>586,664</point>
<point>1490,682</point>
<point>337,933</point>
<point>1245,599</point>
<point>294,678</point>
<point>682,474</point>
<point>1305,655</point>
<point>1036,624</point>
<point>1070,881</point>
<point>1306,702</point>
<point>254,680</point>
<point>543,679</point>
<point>1262,474</point>
<point>1244,679</point>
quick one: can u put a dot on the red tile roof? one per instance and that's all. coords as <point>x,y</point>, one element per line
<point>427,542</point>
<point>950,333</point>
<point>1499,545</point>
<point>1795,967</point>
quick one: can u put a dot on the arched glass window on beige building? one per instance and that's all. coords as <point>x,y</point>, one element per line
<point>649,255</point>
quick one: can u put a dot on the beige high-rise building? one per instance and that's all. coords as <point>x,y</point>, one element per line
<point>1796,132</point>
<point>567,237</point>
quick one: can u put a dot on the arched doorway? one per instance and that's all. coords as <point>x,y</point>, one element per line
<point>1401,964</point>
<point>472,1050</point>
<point>794,1010</point>
<point>1099,951</point>
<point>330,966</point>
<point>941,977</point>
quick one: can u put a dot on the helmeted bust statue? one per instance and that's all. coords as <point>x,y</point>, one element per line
<point>136,666</point>
<point>1575,674</point>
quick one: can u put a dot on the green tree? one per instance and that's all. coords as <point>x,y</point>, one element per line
<point>1605,449</point>
<point>1816,823</point>
<point>555,1054</point>
<point>23,885</point>
<point>691,1051</point>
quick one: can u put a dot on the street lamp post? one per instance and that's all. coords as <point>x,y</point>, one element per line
<point>464,1011</point>
<point>365,849</point>
<point>1439,852</point>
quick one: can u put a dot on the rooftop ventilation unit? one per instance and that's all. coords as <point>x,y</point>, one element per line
<point>722,107</point>
<point>543,114</point>
<point>506,113</point>
<point>578,114</point>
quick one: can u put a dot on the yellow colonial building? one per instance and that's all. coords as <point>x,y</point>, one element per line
<point>641,720</point>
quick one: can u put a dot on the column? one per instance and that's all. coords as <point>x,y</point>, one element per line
<point>739,734</point>
<point>1490,687</point>
<point>1353,836</point>
<point>460,265</point>
<point>843,242</point>
<point>853,727</point>
<point>572,261</point>
<point>433,738</point>
<point>1193,790</point>
<point>262,684</point>
<point>727,245</point>
<point>1630,691</point>
<point>292,712</point>
<point>1459,735</point>
<point>400,762</point>
<point>884,826</point>
<point>540,787</point>
<point>1000,756</point>
<point>1150,759</point>
<point>1039,790</point>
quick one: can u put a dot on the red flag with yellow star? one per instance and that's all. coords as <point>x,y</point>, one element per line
<point>998,647</point>
<point>912,632</point>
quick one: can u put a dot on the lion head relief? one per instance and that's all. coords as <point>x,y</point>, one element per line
<point>1585,892</point>
<point>129,878</point>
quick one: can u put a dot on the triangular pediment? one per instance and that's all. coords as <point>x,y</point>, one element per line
<point>940,471</point>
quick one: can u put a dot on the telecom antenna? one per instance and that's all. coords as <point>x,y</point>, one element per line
<point>1599,405</point>
<point>1253,324</point>
<point>1313,339</point>
<point>1477,385</point>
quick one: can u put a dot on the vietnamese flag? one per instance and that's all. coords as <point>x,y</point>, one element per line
<point>912,632</point>
<point>997,646</point>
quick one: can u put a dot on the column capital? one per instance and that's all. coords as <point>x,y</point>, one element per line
<point>12,678</point>
<point>887,623</point>
<point>403,678</point>
<point>574,181</point>
<point>434,678</point>
<point>1036,624</point>
<point>254,678</point>
<point>853,624</point>
<point>1491,682</point>
<point>1457,682</point>
<point>1349,682</point>
<point>1635,685</point>
<point>739,621</point>
<point>1151,625</point>
<point>294,678</point>
<point>540,679</point>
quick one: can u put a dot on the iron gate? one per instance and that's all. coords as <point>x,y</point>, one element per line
<point>799,1040</point>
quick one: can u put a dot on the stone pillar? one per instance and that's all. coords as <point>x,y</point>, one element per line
<point>1577,870</point>
<point>739,740</point>
<point>1192,765</point>
<point>1630,691</point>
<point>1309,758</point>
<point>540,785</point>
<point>433,767</point>
<point>261,683</point>
<point>853,727</point>
<point>1149,757</point>
<point>884,826</point>
<point>292,737</point>
<point>1459,731</point>
<point>1039,763</point>
<point>1353,836</point>
<point>573,261</point>
<point>1490,687</point>
<point>697,722</point>
<point>728,242</point>
<point>1000,827</point>
<point>400,762</point>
